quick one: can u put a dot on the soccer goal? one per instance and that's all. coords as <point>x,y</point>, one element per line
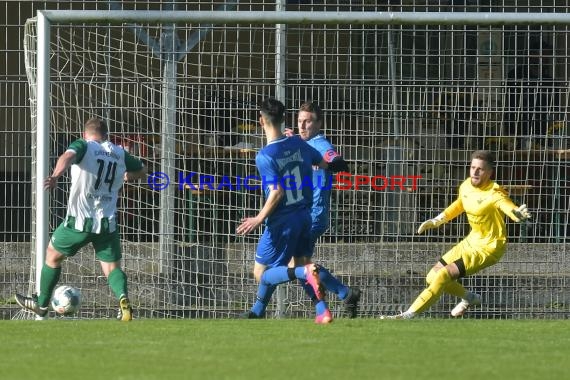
<point>404,95</point>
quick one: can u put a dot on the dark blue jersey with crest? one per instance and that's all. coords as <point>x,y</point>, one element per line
<point>288,161</point>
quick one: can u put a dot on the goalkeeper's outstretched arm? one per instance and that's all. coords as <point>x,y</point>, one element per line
<point>450,212</point>
<point>432,223</point>
<point>509,208</point>
<point>518,214</point>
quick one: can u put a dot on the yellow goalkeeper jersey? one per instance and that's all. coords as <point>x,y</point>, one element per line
<point>486,208</point>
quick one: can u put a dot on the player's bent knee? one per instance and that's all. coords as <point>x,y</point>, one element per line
<point>258,272</point>
<point>431,275</point>
<point>441,278</point>
<point>53,257</point>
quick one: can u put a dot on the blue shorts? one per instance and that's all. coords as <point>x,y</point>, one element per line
<point>317,230</point>
<point>283,239</point>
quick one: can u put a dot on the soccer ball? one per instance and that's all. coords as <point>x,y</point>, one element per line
<point>66,300</point>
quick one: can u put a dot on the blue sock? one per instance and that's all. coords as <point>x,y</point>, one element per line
<point>320,307</point>
<point>332,284</point>
<point>264,293</point>
<point>308,290</point>
<point>267,284</point>
<point>276,276</point>
<point>311,293</point>
<point>300,273</point>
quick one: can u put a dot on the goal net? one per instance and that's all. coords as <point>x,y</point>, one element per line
<point>399,101</point>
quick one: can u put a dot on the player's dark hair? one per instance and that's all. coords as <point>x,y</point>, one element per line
<point>313,108</point>
<point>97,126</point>
<point>273,110</point>
<point>484,155</point>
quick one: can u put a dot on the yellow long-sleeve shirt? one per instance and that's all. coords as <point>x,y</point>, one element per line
<point>485,208</point>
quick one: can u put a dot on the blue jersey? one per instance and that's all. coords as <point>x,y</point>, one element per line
<point>288,161</point>
<point>322,180</point>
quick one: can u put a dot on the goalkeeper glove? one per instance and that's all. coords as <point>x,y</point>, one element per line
<point>521,213</point>
<point>432,223</point>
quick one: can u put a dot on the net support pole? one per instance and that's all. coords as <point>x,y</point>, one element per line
<point>42,141</point>
<point>168,149</point>
<point>280,69</point>
<point>394,150</point>
<point>392,76</point>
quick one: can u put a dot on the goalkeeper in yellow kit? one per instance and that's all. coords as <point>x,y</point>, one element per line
<point>485,204</point>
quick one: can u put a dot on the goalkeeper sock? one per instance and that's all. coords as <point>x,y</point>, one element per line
<point>453,287</point>
<point>48,280</point>
<point>432,293</point>
<point>456,289</point>
<point>430,276</point>
<point>118,283</point>
<point>264,293</point>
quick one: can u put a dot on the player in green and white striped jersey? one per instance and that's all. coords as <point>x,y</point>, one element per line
<point>98,170</point>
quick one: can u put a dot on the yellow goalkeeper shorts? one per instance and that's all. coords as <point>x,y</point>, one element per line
<point>475,258</point>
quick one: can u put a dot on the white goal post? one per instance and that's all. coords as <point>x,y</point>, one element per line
<point>386,221</point>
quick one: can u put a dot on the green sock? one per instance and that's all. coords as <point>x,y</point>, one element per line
<point>48,281</point>
<point>118,282</point>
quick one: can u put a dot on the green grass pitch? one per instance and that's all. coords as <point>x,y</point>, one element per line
<point>285,349</point>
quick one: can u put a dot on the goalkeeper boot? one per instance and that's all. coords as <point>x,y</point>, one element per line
<point>313,279</point>
<point>324,318</point>
<point>404,315</point>
<point>351,302</point>
<point>31,304</point>
<point>464,304</point>
<point>125,310</point>
<point>397,316</point>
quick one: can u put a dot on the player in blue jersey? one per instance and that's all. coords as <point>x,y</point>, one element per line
<point>285,168</point>
<point>310,122</point>
<point>98,170</point>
